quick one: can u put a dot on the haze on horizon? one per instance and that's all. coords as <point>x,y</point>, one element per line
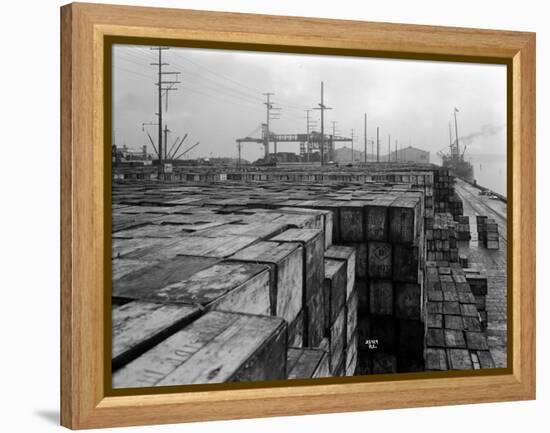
<point>220,99</point>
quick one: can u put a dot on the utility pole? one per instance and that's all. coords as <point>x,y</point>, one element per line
<point>160,83</point>
<point>268,110</point>
<point>322,107</point>
<point>166,130</point>
<point>335,132</point>
<point>239,151</point>
<point>389,146</point>
<point>309,123</point>
<point>366,138</point>
<point>395,150</point>
<point>377,144</point>
<point>307,135</point>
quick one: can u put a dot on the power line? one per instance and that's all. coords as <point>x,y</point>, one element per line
<point>255,91</point>
<point>247,88</point>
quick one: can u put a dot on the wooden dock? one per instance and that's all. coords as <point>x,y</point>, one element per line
<point>491,263</point>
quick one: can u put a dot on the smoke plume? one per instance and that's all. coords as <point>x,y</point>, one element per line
<point>485,131</point>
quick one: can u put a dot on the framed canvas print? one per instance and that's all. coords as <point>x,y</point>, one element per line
<point>267,215</point>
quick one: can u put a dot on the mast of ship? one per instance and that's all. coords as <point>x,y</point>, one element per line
<point>456,134</point>
<point>450,137</point>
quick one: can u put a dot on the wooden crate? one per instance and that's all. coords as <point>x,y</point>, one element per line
<point>379,260</point>
<point>286,260</point>
<point>334,289</point>
<point>361,253</point>
<point>296,331</point>
<point>377,333</point>
<point>228,286</point>
<point>408,301</point>
<point>377,220</point>
<point>405,264</point>
<point>138,326</point>
<point>349,255</point>
<point>337,341</point>
<point>315,320</point>
<point>325,215</point>
<point>143,281</point>
<point>313,263</point>
<point>410,339</point>
<point>351,355</point>
<point>383,363</point>
<point>217,347</point>
<point>436,359</point>
<point>352,223</point>
<point>307,363</point>
<point>381,297</point>
<point>351,314</point>
<point>404,213</point>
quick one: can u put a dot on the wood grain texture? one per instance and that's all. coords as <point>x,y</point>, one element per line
<point>84,400</point>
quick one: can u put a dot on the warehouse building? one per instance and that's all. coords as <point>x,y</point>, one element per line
<point>411,154</point>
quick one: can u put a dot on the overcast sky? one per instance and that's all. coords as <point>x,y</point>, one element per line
<point>220,99</point>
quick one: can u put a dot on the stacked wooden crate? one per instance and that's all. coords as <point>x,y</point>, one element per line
<point>176,265</point>
<point>441,238</point>
<point>443,190</point>
<point>463,228</point>
<point>217,347</point>
<point>487,232</point>
<point>347,256</point>
<point>339,259</point>
<point>390,288</point>
<point>454,335</point>
<point>312,323</point>
<point>478,284</point>
<point>455,205</point>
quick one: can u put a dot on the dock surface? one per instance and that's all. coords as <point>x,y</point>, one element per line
<point>491,262</point>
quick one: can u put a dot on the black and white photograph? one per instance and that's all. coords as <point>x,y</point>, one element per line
<point>281,216</point>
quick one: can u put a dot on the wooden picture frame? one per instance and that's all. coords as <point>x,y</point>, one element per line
<point>84,219</point>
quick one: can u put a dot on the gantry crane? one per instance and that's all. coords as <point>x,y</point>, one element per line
<point>308,142</point>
